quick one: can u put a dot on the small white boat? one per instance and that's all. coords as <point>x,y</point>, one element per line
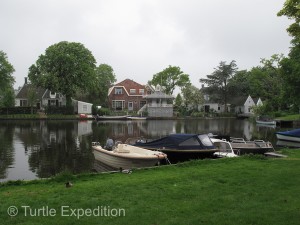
<point>136,118</point>
<point>240,146</point>
<point>224,148</point>
<point>125,156</point>
<point>124,117</point>
<point>265,121</point>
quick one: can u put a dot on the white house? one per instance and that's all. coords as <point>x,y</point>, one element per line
<point>82,107</point>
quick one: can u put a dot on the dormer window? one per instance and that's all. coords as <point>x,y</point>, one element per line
<point>118,91</point>
<point>132,91</point>
<point>52,94</point>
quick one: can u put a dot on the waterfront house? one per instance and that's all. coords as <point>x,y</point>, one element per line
<point>41,97</point>
<point>244,105</point>
<point>159,104</point>
<point>128,95</point>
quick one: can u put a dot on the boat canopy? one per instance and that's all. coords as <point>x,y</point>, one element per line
<point>292,133</point>
<point>179,141</point>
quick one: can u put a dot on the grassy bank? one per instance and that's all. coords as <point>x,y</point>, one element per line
<point>295,117</point>
<point>37,116</point>
<point>246,190</point>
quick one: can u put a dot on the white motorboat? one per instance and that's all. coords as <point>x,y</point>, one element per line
<point>125,156</point>
<point>224,148</point>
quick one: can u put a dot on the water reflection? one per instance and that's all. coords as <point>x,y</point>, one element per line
<point>39,149</point>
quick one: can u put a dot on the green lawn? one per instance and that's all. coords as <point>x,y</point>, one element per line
<point>289,117</point>
<point>245,190</point>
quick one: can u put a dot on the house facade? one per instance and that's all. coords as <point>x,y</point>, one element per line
<point>239,105</point>
<point>43,97</point>
<point>244,105</point>
<point>128,95</point>
<point>159,104</point>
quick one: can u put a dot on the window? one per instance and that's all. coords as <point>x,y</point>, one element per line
<point>205,140</point>
<point>142,103</point>
<point>118,105</point>
<point>141,91</point>
<point>130,105</point>
<point>190,142</point>
<point>132,91</point>
<point>118,91</point>
<point>23,102</point>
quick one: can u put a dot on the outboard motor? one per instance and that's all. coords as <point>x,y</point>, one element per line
<point>109,144</point>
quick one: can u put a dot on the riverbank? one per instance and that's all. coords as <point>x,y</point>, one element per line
<point>245,190</point>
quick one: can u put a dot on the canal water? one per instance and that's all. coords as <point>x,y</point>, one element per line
<point>31,149</point>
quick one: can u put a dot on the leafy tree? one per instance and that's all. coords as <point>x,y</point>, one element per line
<point>239,85</point>
<point>6,81</point>
<point>66,67</point>
<point>290,66</point>
<point>291,9</point>
<point>218,81</point>
<point>170,78</point>
<point>192,96</point>
<point>8,97</point>
<point>105,77</point>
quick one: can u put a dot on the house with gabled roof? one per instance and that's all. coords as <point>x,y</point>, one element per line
<point>44,97</point>
<point>128,95</point>
<point>244,105</point>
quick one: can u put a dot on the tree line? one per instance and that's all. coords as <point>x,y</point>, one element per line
<point>70,69</point>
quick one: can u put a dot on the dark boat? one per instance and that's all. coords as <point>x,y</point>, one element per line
<point>179,146</point>
<point>291,135</point>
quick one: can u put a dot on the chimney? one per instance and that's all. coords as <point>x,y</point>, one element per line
<point>25,80</point>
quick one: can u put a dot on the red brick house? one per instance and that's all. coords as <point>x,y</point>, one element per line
<point>128,95</point>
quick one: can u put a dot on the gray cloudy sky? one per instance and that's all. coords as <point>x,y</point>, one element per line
<point>139,38</point>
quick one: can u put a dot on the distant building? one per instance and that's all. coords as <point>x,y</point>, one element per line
<point>159,104</point>
<point>44,97</point>
<point>244,105</point>
<point>128,95</point>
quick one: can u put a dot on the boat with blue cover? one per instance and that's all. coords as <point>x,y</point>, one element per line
<point>179,146</point>
<point>290,135</point>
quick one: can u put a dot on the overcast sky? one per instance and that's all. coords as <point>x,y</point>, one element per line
<point>140,38</point>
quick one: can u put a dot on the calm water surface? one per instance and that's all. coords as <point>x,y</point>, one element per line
<point>40,149</point>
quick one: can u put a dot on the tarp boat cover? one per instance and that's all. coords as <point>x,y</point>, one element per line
<point>179,142</point>
<point>290,133</point>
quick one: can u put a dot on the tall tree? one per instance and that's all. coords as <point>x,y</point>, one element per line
<point>291,9</point>
<point>105,77</point>
<point>6,81</point>
<point>218,80</point>
<point>192,96</point>
<point>66,67</point>
<point>291,65</point>
<point>170,78</point>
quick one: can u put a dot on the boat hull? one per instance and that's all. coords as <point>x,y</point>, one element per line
<point>287,137</point>
<point>266,122</point>
<point>125,160</point>
<point>242,149</point>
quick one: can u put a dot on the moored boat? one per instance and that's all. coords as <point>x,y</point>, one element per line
<point>224,148</point>
<point>240,146</point>
<point>136,117</point>
<point>179,146</point>
<point>124,117</point>
<point>125,156</point>
<point>265,121</point>
<point>291,135</point>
